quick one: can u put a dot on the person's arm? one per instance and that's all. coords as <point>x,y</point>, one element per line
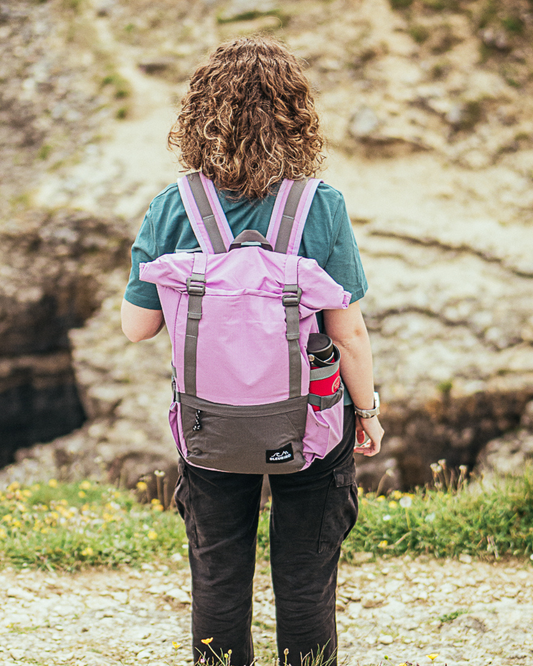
<point>348,331</point>
<point>140,323</point>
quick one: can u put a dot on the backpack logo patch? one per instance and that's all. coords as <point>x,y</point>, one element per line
<point>285,454</point>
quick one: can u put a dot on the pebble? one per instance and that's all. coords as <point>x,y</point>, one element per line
<point>144,654</point>
<point>386,639</point>
<point>17,655</point>
<point>372,600</point>
<point>18,593</point>
<point>179,595</point>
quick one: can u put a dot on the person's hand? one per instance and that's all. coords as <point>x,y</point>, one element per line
<point>372,429</point>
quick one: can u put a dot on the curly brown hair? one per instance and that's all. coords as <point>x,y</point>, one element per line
<point>248,120</point>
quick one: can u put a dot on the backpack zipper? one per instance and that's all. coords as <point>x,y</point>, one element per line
<point>197,425</point>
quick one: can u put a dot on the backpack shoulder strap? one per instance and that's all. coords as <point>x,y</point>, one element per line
<point>290,214</point>
<point>205,213</point>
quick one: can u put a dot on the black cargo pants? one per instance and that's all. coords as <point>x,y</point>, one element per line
<point>312,512</point>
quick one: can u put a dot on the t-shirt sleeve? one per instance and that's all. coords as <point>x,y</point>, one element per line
<point>344,262</point>
<point>143,294</point>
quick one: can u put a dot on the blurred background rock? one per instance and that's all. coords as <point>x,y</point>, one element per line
<point>428,109</point>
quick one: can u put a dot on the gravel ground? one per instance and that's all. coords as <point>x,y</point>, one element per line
<point>390,611</point>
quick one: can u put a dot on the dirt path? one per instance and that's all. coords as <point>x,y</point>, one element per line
<point>388,611</point>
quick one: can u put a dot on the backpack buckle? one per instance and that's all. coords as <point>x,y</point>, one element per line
<point>291,295</point>
<point>196,286</point>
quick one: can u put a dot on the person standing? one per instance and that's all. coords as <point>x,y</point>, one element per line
<point>247,123</point>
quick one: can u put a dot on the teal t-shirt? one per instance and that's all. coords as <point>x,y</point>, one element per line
<point>327,237</point>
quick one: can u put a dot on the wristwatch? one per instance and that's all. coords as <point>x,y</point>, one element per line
<point>369,413</point>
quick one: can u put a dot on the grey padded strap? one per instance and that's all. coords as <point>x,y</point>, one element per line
<point>291,299</point>
<point>326,401</point>
<point>200,196</point>
<point>289,212</point>
<point>323,373</point>
<point>196,291</point>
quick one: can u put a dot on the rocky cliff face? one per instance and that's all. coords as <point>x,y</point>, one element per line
<point>428,110</point>
<point>53,279</point>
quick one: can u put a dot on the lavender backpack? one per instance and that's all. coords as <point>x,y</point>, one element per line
<point>239,315</point>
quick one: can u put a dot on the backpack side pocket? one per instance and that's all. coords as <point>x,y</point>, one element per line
<point>324,429</point>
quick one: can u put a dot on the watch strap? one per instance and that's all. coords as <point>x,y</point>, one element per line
<point>369,413</point>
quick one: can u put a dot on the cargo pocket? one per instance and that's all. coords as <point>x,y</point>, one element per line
<point>324,429</point>
<point>182,497</point>
<point>257,439</point>
<point>340,508</point>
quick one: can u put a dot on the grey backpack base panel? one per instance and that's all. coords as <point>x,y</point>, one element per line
<point>252,439</point>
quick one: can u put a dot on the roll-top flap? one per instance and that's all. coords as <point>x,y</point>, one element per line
<point>251,269</point>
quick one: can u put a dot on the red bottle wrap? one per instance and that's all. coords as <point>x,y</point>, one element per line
<point>326,380</point>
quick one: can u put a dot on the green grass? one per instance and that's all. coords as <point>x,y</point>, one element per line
<point>450,617</point>
<point>419,33</point>
<point>253,14</point>
<point>120,85</point>
<point>484,521</point>
<point>72,526</point>
<point>513,24</point>
<point>400,4</point>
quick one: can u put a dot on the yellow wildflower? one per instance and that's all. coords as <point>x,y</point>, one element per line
<point>27,493</point>
<point>393,504</point>
<point>85,485</point>
<point>360,491</point>
<point>432,656</point>
<point>82,494</point>
<point>383,544</point>
<point>176,645</point>
<point>142,485</point>
<point>87,552</point>
<point>3,533</point>
<point>396,494</point>
<point>381,498</point>
<point>152,535</point>
<point>155,501</point>
<point>13,486</point>
<point>52,483</point>
<point>7,518</point>
<point>206,641</point>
